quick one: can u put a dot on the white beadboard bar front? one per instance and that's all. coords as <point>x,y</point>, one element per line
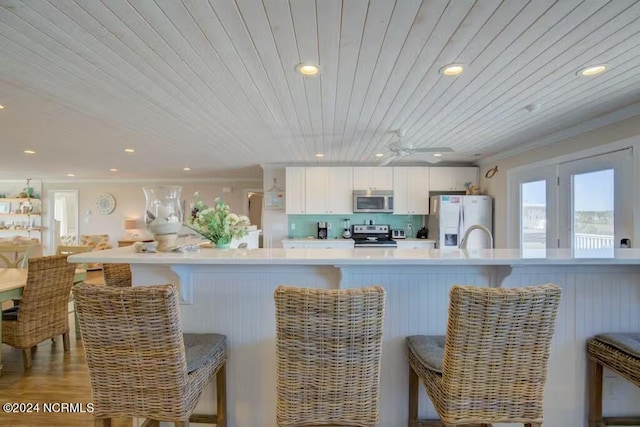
<point>231,292</point>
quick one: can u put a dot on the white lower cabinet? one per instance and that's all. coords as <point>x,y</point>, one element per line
<point>416,244</point>
<point>318,244</point>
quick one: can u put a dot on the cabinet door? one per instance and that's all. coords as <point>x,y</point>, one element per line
<point>295,190</point>
<point>412,244</point>
<point>418,190</point>
<point>452,178</point>
<point>362,178</point>
<point>292,245</point>
<point>316,191</point>
<point>401,191</point>
<point>411,190</point>
<point>372,178</point>
<point>339,193</point>
<point>382,178</point>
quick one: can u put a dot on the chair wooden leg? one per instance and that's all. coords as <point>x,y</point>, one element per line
<point>221,396</point>
<point>181,423</point>
<point>594,391</point>
<point>26,358</point>
<point>414,384</point>
<point>102,422</point>
<point>65,341</point>
<point>533,425</point>
<point>75,322</point>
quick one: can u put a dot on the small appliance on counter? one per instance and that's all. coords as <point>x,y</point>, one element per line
<point>423,233</point>
<point>373,236</point>
<point>323,230</point>
<point>398,234</point>
<point>346,234</point>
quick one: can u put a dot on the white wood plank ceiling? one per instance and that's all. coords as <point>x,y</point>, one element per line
<point>211,85</point>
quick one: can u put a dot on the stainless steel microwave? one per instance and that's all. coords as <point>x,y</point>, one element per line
<point>376,201</point>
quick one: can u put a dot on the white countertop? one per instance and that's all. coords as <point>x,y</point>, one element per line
<point>340,239</point>
<point>363,256</point>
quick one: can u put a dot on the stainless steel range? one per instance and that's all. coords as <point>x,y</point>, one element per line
<point>373,236</point>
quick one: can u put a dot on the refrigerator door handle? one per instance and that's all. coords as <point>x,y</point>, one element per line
<point>460,224</point>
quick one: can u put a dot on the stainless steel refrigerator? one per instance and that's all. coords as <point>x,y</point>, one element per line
<point>450,216</point>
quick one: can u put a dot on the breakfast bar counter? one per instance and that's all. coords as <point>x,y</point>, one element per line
<point>231,292</point>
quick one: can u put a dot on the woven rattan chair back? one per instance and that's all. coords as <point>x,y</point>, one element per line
<point>134,348</point>
<point>15,256</point>
<point>43,310</point>
<point>496,352</point>
<point>328,345</point>
<point>118,275</point>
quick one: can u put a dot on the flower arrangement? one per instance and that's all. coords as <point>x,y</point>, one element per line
<point>217,224</point>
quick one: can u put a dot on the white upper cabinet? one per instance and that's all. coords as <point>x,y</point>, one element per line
<point>411,190</point>
<point>295,190</point>
<point>329,190</point>
<point>452,178</point>
<point>372,178</point>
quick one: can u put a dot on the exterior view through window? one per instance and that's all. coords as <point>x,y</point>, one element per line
<point>593,209</point>
<point>534,216</point>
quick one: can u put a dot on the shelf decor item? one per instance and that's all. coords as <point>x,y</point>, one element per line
<point>163,216</point>
<point>217,224</point>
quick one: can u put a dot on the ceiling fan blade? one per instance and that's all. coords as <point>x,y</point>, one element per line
<point>433,150</point>
<point>388,160</point>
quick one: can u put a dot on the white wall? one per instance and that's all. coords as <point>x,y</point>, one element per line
<point>130,202</point>
<point>628,129</point>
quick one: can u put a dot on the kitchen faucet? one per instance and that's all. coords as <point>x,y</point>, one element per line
<point>463,242</point>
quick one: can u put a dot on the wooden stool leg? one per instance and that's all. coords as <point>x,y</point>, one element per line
<point>414,384</point>
<point>221,396</point>
<point>594,390</point>
<point>102,422</point>
<point>65,341</point>
<point>26,358</point>
<point>533,425</point>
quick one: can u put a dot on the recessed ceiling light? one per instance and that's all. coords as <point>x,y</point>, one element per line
<point>113,170</point>
<point>129,150</point>
<point>319,155</point>
<point>307,69</point>
<point>70,174</point>
<point>1,107</point>
<point>592,70</point>
<point>186,169</point>
<point>452,70</point>
<point>437,154</point>
<point>379,155</point>
<point>29,152</point>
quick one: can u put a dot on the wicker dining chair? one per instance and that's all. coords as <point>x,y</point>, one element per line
<point>328,345</point>
<point>491,366</point>
<point>118,275</point>
<point>619,352</point>
<point>43,310</point>
<point>140,363</point>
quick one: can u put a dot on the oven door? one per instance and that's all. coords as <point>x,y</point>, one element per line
<point>367,201</point>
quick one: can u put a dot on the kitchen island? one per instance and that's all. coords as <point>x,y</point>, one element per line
<point>231,292</point>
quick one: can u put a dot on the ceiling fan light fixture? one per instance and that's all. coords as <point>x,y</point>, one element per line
<point>593,70</point>
<point>452,70</point>
<point>307,69</point>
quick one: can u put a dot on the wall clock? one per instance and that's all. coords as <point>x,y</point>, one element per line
<point>106,203</point>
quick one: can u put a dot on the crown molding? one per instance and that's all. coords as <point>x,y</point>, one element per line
<point>165,181</point>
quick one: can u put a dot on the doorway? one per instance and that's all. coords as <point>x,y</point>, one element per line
<point>63,220</point>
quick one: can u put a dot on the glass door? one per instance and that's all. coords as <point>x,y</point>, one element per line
<point>595,202</point>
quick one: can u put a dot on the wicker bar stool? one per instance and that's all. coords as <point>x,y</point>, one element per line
<point>328,345</point>
<point>140,362</point>
<point>619,352</point>
<point>118,275</point>
<point>491,367</point>
<point>43,310</point>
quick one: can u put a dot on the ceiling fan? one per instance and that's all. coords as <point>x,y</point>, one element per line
<point>399,149</point>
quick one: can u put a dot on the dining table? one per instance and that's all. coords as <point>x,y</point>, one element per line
<point>12,282</point>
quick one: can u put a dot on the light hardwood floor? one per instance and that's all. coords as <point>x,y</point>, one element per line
<point>55,376</point>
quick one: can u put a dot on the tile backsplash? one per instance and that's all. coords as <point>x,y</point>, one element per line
<point>306,225</point>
